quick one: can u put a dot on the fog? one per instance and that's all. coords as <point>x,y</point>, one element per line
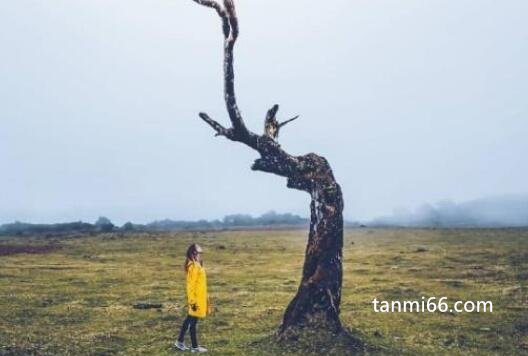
<point>410,101</point>
<point>501,211</point>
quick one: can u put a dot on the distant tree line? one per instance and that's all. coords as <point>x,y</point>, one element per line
<point>103,224</point>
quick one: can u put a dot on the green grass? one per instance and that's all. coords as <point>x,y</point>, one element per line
<point>77,299</point>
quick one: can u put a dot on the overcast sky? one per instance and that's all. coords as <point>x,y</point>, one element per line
<point>411,102</point>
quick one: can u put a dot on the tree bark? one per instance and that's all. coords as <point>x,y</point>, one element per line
<point>316,304</point>
<point>319,295</point>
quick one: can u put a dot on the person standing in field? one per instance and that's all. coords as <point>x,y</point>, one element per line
<point>197,299</point>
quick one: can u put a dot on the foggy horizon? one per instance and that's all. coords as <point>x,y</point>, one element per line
<point>509,210</point>
<point>412,103</point>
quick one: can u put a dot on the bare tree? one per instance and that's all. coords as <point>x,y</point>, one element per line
<point>316,304</point>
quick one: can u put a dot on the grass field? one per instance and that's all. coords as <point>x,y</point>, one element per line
<point>74,296</point>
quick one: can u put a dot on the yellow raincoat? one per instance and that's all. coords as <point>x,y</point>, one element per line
<point>196,290</point>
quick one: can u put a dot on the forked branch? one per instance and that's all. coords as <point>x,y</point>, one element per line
<point>303,172</point>
<point>230,28</point>
<point>273,158</point>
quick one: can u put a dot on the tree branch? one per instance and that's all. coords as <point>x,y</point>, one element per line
<point>215,5</point>
<point>272,112</point>
<point>273,158</point>
<point>230,28</point>
<point>287,121</point>
<point>220,130</point>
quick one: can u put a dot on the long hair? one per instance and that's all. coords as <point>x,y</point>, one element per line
<point>190,256</point>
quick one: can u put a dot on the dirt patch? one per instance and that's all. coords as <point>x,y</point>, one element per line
<point>22,351</point>
<point>7,250</point>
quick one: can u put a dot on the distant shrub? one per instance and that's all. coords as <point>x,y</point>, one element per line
<point>104,224</point>
<point>128,226</point>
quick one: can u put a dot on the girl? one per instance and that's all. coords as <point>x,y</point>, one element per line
<point>196,297</point>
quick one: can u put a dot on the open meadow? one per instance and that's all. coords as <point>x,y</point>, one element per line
<point>75,296</point>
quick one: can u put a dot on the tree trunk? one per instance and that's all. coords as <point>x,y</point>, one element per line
<point>316,304</point>
<point>319,295</point>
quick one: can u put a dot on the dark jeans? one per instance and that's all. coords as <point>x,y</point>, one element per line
<point>189,323</point>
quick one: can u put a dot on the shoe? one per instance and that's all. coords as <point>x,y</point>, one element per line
<point>180,346</point>
<point>199,349</point>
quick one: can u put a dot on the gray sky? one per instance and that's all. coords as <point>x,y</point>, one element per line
<point>411,101</point>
